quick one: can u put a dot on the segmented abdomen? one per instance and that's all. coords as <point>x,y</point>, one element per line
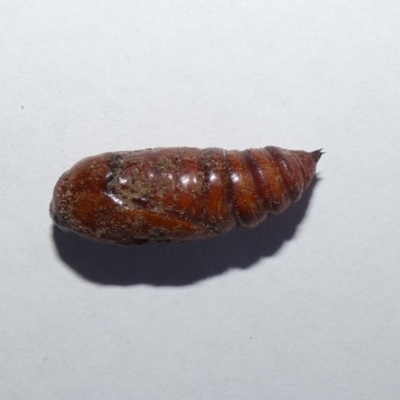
<point>266,181</point>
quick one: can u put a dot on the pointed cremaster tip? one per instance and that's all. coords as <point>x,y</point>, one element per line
<point>317,154</point>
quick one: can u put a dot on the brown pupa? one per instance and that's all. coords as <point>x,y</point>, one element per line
<point>181,194</point>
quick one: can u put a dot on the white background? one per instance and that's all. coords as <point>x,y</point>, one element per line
<point>305,307</point>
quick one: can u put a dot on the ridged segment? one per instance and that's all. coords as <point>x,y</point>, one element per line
<point>218,211</point>
<point>248,206</point>
<point>288,171</point>
<point>262,169</point>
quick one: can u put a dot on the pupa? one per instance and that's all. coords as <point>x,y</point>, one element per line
<point>178,193</point>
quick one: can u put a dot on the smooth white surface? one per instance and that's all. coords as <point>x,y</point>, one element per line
<point>305,307</point>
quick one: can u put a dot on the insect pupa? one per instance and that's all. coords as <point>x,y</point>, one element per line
<point>182,194</point>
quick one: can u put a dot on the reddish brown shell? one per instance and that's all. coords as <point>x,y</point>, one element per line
<point>178,193</point>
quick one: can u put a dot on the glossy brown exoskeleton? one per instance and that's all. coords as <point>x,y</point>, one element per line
<point>178,193</point>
